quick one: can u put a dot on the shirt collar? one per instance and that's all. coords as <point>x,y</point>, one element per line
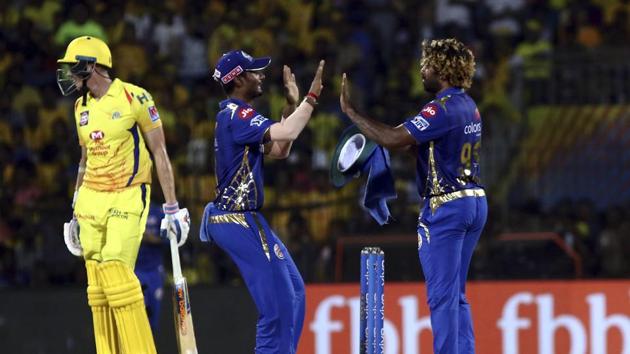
<point>236,101</point>
<point>450,91</point>
<point>115,88</point>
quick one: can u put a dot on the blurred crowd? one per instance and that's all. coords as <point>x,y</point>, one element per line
<point>170,47</point>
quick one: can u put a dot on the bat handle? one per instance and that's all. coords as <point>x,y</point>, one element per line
<point>177,267</point>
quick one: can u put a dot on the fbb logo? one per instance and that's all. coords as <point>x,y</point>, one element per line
<point>429,111</point>
<point>97,135</point>
<point>570,317</point>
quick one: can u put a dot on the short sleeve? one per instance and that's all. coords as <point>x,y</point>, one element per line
<point>146,112</point>
<point>431,123</point>
<point>248,127</point>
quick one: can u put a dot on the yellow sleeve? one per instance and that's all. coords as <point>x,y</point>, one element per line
<point>145,110</point>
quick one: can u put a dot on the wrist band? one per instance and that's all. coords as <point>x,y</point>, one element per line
<point>170,208</point>
<point>310,100</point>
<point>312,94</point>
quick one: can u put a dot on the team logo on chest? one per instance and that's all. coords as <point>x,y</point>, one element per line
<point>116,115</point>
<point>83,121</point>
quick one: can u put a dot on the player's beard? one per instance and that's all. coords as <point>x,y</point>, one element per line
<point>431,84</point>
<point>256,91</point>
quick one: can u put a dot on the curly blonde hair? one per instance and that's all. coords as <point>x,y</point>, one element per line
<point>451,60</point>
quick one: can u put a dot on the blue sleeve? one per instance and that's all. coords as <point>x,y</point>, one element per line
<point>249,127</point>
<point>431,123</point>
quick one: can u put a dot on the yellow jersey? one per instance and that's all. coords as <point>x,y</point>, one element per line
<point>111,129</point>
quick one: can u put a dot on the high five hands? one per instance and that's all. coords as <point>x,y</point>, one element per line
<point>344,97</point>
<point>316,85</point>
<point>291,90</point>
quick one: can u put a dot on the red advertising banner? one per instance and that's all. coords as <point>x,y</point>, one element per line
<point>528,317</point>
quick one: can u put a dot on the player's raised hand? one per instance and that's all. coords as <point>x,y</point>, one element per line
<point>344,97</point>
<point>291,90</point>
<point>316,85</point>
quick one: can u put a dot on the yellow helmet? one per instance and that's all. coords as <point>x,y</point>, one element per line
<point>89,49</point>
<point>81,52</point>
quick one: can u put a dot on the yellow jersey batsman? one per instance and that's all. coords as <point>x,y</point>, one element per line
<point>115,122</point>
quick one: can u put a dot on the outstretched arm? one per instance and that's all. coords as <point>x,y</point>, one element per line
<point>382,134</point>
<point>281,149</point>
<point>290,128</point>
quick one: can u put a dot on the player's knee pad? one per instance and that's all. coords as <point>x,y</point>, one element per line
<point>120,284</point>
<point>96,296</point>
<point>124,296</point>
<point>103,320</point>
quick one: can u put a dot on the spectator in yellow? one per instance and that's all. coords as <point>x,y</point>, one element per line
<point>115,121</point>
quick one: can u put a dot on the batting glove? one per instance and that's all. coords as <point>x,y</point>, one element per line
<point>71,237</point>
<point>176,223</point>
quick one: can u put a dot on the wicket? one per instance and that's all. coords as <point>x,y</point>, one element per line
<point>372,310</point>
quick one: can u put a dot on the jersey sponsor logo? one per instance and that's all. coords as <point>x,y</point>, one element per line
<point>153,113</point>
<point>232,74</point>
<point>429,111</point>
<point>97,135</point>
<point>278,251</point>
<point>116,213</point>
<point>257,121</point>
<point>142,98</point>
<point>472,128</point>
<point>246,113</point>
<point>85,115</point>
<point>420,123</point>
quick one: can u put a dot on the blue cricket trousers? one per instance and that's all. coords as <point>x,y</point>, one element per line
<point>270,274</point>
<point>446,241</point>
<point>152,282</point>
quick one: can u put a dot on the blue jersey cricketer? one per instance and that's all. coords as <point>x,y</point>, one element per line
<point>149,266</point>
<point>445,136</point>
<point>233,221</point>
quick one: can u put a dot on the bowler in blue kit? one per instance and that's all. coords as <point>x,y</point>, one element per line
<point>445,137</point>
<point>233,220</point>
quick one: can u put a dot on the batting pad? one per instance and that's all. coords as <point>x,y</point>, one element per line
<point>102,316</point>
<point>124,296</point>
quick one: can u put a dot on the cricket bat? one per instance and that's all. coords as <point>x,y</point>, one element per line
<point>184,329</point>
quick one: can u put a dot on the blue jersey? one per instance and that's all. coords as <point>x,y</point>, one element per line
<point>448,131</point>
<point>150,255</point>
<point>238,147</point>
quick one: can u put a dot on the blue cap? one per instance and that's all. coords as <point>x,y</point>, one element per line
<point>235,62</point>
